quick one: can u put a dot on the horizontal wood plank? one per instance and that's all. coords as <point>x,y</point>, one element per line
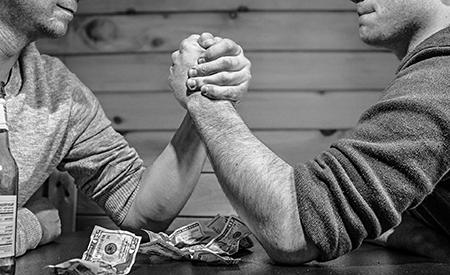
<point>253,31</point>
<point>87,222</point>
<point>271,71</point>
<point>292,146</point>
<point>140,6</point>
<point>260,110</point>
<point>206,200</point>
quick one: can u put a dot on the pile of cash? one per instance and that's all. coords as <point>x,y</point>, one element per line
<point>214,243</point>
<point>113,252</point>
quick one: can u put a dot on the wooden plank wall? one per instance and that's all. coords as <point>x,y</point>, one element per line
<point>312,77</point>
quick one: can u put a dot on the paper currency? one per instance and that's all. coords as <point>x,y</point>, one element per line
<point>188,235</point>
<point>115,247</point>
<point>230,236</point>
<point>81,267</point>
<point>213,244</point>
<point>209,256</point>
<point>218,223</point>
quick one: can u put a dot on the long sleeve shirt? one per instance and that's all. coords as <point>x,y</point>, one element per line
<point>396,159</point>
<point>55,122</point>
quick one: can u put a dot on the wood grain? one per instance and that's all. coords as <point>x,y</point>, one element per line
<point>260,110</point>
<point>87,222</point>
<point>271,71</point>
<point>291,31</point>
<point>140,6</point>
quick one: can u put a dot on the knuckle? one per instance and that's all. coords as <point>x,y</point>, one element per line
<point>184,44</point>
<point>228,43</point>
<point>224,78</point>
<point>206,35</point>
<point>229,63</point>
<point>202,70</point>
<point>247,76</point>
<point>174,55</point>
<point>193,37</point>
<point>232,94</point>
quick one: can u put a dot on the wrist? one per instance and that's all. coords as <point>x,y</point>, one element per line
<point>29,231</point>
<point>197,102</point>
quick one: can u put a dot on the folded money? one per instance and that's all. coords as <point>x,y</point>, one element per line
<point>188,235</point>
<point>217,224</point>
<point>230,236</point>
<point>81,267</point>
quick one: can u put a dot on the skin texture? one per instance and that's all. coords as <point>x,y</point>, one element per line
<point>168,183</point>
<point>399,25</point>
<point>260,185</point>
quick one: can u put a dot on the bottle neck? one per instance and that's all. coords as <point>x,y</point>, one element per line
<point>3,124</point>
<point>4,139</point>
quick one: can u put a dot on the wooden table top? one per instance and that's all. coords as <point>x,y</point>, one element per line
<point>367,260</point>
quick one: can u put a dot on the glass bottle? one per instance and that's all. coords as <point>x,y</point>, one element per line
<point>9,177</point>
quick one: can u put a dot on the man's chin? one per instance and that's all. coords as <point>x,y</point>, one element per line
<point>371,39</point>
<point>54,31</point>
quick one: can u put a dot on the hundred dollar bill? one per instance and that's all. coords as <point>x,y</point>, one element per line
<point>115,247</point>
<point>230,236</point>
<point>187,235</point>
<point>217,224</point>
<point>81,267</point>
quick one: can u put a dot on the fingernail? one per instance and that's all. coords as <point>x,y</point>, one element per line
<point>205,89</point>
<point>201,60</point>
<point>192,72</point>
<point>205,94</point>
<point>192,84</point>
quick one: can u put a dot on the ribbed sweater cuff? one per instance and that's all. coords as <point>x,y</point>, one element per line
<point>29,231</point>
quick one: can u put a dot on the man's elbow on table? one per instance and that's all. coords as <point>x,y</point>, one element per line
<point>284,240</point>
<point>288,251</point>
<point>135,220</point>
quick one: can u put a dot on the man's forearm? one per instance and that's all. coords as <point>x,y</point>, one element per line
<point>259,184</point>
<point>168,183</point>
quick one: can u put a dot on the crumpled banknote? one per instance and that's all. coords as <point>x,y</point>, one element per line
<point>113,252</point>
<point>214,243</point>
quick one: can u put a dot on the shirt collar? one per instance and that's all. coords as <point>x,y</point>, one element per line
<point>437,44</point>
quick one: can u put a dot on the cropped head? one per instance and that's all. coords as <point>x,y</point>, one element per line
<point>398,24</point>
<point>38,18</point>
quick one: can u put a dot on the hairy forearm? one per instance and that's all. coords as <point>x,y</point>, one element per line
<point>168,183</point>
<point>259,184</point>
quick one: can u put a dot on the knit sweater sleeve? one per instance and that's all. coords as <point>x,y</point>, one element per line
<point>100,160</point>
<point>28,233</point>
<point>359,188</point>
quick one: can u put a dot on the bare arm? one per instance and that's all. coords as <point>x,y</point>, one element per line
<point>258,183</point>
<point>169,182</point>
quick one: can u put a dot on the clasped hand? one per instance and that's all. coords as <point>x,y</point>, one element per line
<point>214,66</point>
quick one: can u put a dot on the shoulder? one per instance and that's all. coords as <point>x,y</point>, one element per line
<point>53,76</point>
<point>424,83</point>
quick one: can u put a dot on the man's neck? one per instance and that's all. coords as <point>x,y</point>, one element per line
<point>11,45</point>
<point>421,34</point>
